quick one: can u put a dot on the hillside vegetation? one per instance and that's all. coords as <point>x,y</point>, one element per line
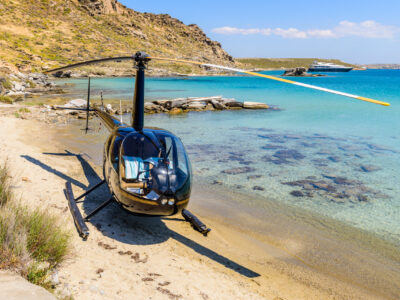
<point>285,63</point>
<point>42,34</point>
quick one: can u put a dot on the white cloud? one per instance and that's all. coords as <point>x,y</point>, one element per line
<point>366,29</point>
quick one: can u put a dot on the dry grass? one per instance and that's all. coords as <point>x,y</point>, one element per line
<point>32,242</point>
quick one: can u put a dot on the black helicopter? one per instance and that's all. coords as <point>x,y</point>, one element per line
<point>147,169</point>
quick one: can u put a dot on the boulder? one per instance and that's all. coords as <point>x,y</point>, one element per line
<point>195,105</point>
<point>176,111</point>
<point>14,287</point>
<point>151,108</point>
<point>255,105</point>
<point>177,103</point>
<point>81,103</point>
<point>217,105</point>
<point>229,102</point>
<point>295,72</point>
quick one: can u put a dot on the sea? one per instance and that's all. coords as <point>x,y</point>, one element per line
<point>327,154</point>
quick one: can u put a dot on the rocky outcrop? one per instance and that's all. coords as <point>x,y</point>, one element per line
<point>300,72</point>
<point>20,84</point>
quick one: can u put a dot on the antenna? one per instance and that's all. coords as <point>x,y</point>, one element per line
<point>87,107</point>
<point>101,99</point>
<point>120,109</point>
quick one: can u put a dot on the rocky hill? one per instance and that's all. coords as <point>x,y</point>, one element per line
<point>42,34</point>
<point>286,63</point>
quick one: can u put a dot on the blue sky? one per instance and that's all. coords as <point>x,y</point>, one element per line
<point>354,31</point>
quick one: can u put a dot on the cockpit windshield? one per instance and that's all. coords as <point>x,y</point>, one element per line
<point>153,164</point>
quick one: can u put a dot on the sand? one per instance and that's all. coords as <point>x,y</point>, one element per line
<point>131,257</point>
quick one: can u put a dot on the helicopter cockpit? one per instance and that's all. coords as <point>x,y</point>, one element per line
<point>155,166</point>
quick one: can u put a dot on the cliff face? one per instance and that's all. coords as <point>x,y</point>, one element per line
<point>42,34</point>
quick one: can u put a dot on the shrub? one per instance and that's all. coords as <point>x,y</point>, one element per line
<point>24,110</point>
<point>7,84</point>
<point>6,99</point>
<point>32,241</point>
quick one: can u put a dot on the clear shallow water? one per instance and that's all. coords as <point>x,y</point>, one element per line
<point>332,155</point>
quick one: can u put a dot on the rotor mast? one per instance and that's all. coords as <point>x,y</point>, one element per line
<point>141,59</point>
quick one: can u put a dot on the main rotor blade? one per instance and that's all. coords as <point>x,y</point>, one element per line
<point>275,78</point>
<point>90,62</point>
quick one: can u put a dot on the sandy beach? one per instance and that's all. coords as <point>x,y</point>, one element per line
<point>287,255</point>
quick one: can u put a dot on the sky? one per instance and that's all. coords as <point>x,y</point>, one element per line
<point>355,31</point>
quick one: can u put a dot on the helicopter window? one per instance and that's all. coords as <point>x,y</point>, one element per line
<point>175,152</point>
<point>114,151</point>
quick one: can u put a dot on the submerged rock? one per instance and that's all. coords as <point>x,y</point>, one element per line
<point>369,168</point>
<point>239,170</point>
<point>297,193</point>
<point>258,188</point>
<point>288,154</point>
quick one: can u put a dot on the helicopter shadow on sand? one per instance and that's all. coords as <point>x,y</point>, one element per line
<point>125,227</point>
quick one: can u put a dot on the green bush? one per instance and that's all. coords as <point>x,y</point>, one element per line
<point>32,241</point>
<point>7,84</point>
<point>6,99</point>
<point>24,110</point>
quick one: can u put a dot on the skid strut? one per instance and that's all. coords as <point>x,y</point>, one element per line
<point>79,221</point>
<point>195,222</point>
<point>76,214</point>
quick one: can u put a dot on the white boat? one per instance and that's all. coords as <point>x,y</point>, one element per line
<point>318,66</point>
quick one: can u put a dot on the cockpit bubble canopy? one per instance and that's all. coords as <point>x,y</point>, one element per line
<point>153,161</point>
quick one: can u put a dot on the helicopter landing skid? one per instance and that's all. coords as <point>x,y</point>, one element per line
<point>195,222</point>
<point>79,221</point>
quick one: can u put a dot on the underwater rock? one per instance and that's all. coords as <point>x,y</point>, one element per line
<point>380,148</point>
<point>369,168</point>
<point>288,154</point>
<point>292,136</point>
<point>345,181</point>
<point>239,170</point>
<point>218,182</point>
<point>254,177</point>
<point>258,188</point>
<point>321,185</point>
<point>352,148</point>
<point>297,193</point>
<point>246,162</point>
<point>334,158</point>
<point>362,198</point>
<point>320,162</point>
<point>275,161</point>
<point>271,147</point>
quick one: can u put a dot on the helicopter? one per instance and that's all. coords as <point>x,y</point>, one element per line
<point>147,169</point>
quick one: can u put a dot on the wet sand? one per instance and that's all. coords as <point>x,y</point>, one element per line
<point>252,253</point>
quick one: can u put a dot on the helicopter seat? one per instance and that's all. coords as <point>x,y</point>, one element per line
<point>136,169</point>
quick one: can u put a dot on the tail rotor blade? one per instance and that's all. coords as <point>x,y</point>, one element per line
<point>276,79</point>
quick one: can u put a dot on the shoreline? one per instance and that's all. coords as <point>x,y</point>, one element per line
<point>283,273</point>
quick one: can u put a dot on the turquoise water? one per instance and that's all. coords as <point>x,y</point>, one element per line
<point>332,155</point>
